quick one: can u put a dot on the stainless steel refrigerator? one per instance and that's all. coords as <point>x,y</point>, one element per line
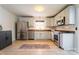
<point>22,30</point>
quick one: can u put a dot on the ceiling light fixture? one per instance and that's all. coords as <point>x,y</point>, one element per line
<point>39,8</point>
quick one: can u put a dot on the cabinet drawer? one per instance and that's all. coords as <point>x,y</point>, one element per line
<point>2,40</point>
<point>5,39</point>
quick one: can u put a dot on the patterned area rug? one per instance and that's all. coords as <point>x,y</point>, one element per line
<point>35,46</point>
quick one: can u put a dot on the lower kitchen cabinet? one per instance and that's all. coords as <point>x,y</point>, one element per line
<point>5,39</point>
<point>31,35</point>
<point>66,41</point>
<point>42,35</point>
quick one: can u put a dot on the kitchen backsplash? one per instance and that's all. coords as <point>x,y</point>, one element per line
<point>66,27</point>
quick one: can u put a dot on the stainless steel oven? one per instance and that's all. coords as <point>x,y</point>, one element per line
<point>56,37</point>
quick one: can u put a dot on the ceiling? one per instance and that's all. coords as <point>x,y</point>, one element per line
<point>28,9</point>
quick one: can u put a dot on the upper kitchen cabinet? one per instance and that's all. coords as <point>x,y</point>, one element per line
<point>56,18</point>
<point>70,15</point>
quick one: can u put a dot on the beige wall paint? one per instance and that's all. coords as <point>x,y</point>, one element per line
<point>7,20</point>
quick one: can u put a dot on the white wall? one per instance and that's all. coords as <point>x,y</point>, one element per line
<point>76,42</point>
<point>7,20</point>
<point>49,21</point>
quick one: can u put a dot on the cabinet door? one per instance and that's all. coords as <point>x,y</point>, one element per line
<point>2,40</point>
<point>70,15</point>
<point>31,34</point>
<point>37,35</point>
<point>45,35</point>
<point>8,38</point>
<point>61,40</point>
<point>68,41</point>
<point>42,35</point>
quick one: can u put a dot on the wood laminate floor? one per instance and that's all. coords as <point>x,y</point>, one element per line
<point>54,50</point>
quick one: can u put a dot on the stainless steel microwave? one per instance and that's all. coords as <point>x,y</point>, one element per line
<point>61,22</point>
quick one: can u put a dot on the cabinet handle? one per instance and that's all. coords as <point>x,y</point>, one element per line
<point>76,28</point>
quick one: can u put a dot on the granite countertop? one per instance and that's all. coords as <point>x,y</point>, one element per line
<point>63,30</point>
<point>51,29</point>
<point>37,29</point>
